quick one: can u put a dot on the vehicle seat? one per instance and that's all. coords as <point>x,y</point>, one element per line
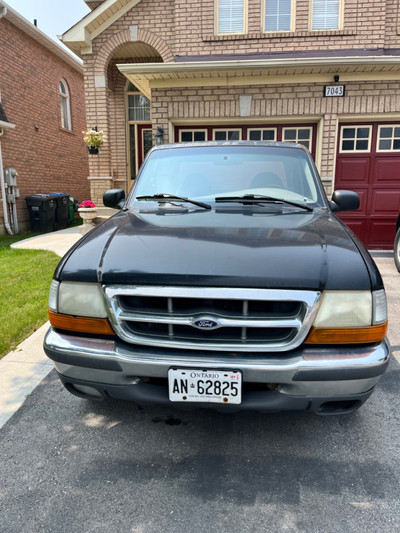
<point>265,180</point>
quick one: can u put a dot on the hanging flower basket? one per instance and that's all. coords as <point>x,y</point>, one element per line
<point>94,139</point>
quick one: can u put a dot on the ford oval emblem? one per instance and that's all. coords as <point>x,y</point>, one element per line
<point>206,323</point>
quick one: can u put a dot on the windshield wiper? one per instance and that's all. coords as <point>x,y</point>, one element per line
<point>164,197</point>
<point>260,198</point>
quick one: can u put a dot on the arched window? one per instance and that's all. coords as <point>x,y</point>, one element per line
<point>65,105</point>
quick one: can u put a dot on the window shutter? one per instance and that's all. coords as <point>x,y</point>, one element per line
<point>230,16</point>
<point>277,15</point>
<point>326,14</point>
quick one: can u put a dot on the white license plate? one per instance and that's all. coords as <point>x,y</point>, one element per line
<point>214,386</point>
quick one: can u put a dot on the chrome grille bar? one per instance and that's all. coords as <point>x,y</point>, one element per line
<point>264,320</point>
<point>225,322</point>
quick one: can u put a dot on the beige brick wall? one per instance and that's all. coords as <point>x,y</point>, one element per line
<point>294,102</point>
<point>186,27</point>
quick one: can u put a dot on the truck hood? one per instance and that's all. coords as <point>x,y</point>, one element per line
<point>244,247</point>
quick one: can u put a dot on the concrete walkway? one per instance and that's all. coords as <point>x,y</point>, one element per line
<point>24,368</point>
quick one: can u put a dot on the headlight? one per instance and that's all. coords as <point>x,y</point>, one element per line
<point>344,309</point>
<point>350,317</point>
<point>79,307</point>
<point>81,299</point>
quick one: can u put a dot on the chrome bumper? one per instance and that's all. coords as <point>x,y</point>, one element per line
<point>306,371</point>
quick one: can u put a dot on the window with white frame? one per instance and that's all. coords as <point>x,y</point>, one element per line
<point>355,139</point>
<point>325,15</point>
<point>278,15</point>
<point>231,16</point>
<point>298,135</point>
<point>192,136</point>
<point>138,105</point>
<point>65,105</point>
<point>261,134</point>
<point>389,138</point>
<point>227,135</point>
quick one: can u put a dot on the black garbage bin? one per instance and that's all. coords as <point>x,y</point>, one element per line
<point>42,208</point>
<point>62,208</point>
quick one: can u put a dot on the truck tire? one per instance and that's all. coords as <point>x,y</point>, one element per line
<point>397,250</point>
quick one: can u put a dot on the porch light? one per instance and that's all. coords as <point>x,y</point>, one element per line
<point>159,136</point>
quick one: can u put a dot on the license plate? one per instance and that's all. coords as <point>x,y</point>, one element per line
<point>213,386</point>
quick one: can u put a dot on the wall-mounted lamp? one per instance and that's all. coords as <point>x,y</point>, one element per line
<point>336,78</point>
<point>159,136</point>
<point>36,127</point>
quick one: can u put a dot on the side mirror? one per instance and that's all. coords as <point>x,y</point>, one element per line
<point>344,201</point>
<point>114,198</point>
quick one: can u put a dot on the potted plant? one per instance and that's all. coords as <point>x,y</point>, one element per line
<point>88,213</point>
<point>94,139</point>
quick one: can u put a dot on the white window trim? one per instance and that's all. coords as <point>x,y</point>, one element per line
<point>67,99</point>
<point>387,138</point>
<point>298,141</point>
<point>227,129</point>
<point>275,130</point>
<point>340,18</point>
<point>131,93</point>
<point>216,19</point>
<point>292,18</point>
<point>341,151</point>
<point>192,131</point>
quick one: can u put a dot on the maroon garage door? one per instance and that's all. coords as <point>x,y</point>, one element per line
<point>368,162</point>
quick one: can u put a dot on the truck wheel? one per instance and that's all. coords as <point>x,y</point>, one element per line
<point>397,250</point>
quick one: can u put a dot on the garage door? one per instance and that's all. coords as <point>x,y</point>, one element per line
<point>368,162</point>
<point>304,134</point>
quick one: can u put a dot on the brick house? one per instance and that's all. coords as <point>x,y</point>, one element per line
<point>325,73</point>
<point>43,111</point>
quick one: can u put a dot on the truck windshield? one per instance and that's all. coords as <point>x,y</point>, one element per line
<point>206,172</point>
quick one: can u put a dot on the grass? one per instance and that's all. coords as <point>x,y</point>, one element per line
<point>25,277</point>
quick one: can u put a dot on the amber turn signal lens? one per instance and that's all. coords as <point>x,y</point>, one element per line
<point>82,324</point>
<point>347,335</point>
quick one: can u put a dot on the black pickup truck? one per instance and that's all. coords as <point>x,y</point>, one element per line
<point>224,281</point>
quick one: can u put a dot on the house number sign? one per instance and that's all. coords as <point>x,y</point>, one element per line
<point>334,90</point>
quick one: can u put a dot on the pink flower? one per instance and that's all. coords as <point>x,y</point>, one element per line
<point>87,203</point>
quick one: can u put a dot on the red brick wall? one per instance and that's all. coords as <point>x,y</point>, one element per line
<point>50,159</point>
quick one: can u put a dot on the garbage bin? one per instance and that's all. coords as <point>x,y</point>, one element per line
<point>62,207</point>
<point>71,210</point>
<point>42,208</point>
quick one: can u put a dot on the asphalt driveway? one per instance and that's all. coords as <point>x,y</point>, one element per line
<point>69,465</point>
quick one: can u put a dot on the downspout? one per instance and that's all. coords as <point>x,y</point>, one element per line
<point>3,193</point>
<point>3,12</point>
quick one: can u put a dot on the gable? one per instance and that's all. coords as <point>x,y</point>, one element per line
<point>79,38</point>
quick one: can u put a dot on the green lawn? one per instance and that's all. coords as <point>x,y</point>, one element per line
<point>25,277</point>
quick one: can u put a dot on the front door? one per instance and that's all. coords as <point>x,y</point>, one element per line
<point>140,142</point>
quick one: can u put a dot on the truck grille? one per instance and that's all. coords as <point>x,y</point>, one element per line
<point>222,319</point>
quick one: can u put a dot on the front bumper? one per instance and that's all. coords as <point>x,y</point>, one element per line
<point>306,378</point>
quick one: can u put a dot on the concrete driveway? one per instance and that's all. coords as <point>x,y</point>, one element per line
<point>70,465</point>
